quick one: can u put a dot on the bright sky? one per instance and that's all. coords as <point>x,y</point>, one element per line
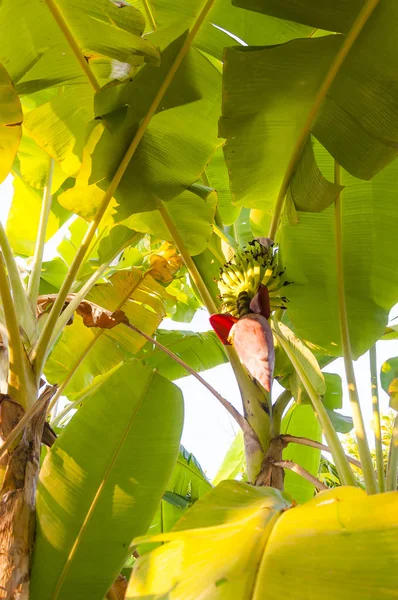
<point>208,429</point>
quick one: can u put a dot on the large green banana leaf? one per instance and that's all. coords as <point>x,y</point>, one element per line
<point>104,32</point>
<point>358,120</point>
<point>268,93</point>
<point>370,222</point>
<point>176,146</point>
<point>336,15</point>
<point>102,481</point>
<point>342,542</point>
<point>192,214</point>
<point>224,25</point>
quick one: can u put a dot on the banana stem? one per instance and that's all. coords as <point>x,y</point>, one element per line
<point>392,466</point>
<point>345,472</point>
<point>359,426</point>
<point>18,384</point>
<point>23,307</point>
<point>278,409</point>
<point>225,237</point>
<point>34,279</point>
<point>376,419</point>
<point>292,466</point>
<point>193,271</point>
<point>254,402</point>
<point>73,43</point>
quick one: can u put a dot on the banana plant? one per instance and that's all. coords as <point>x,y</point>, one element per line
<point>216,155</point>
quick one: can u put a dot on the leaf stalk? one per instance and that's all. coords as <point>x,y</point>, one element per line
<point>376,419</point>
<point>359,426</point>
<point>345,472</point>
<point>34,279</point>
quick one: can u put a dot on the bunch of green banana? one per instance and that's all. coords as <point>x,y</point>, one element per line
<point>241,278</point>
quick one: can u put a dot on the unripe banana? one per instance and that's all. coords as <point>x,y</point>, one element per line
<point>240,279</point>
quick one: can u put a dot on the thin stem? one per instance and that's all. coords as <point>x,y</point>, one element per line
<point>359,426</point>
<point>74,45</point>
<point>254,402</point>
<point>227,405</point>
<point>340,57</point>
<point>73,370</point>
<point>292,439</point>
<point>17,371</point>
<point>27,417</point>
<point>292,466</point>
<point>34,279</point>
<point>149,13</point>
<point>225,237</point>
<point>193,271</point>
<point>376,419</point>
<point>97,336</point>
<point>392,466</point>
<point>219,258</point>
<point>278,409</point>
<point>40,350</point>
<point>23,307</point>
<point>345,472</point>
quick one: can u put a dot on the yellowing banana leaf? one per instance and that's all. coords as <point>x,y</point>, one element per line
<point>59,126</point>
<point>23,218</point>
<point>232,521</point>
<point>34,165</point>
<point>342,542</point>
<point>144,308</point>
<point>102,481</point>
<point>10,123</point>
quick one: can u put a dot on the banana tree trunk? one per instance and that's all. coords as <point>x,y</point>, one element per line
<point>270,474</point>
<point>17,500</point>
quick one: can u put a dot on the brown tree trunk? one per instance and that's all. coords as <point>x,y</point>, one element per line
<point>17,501</point>
<point>271,475</point>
